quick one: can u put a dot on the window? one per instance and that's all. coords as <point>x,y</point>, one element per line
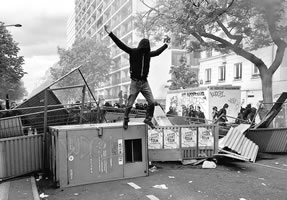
<point>221,73</point>
<point>133,150</point>
<point>208,75</point>
<point>208,53</point>
<point>237,71</point>
<point>255,71</point>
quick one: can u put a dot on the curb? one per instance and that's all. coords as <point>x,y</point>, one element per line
<point>34,189</point>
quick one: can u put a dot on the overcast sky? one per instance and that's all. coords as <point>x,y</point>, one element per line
<point>43,29</point>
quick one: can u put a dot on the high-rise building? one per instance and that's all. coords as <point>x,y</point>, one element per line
<point>90,18</point>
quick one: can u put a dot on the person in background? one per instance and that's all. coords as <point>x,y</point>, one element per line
<point>222,114</point>
<point>214,113</point>
<point>172,112</point>
<point>200,115</point>
<point>139,69</point>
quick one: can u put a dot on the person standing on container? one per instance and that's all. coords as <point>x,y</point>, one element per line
<point>139,69</point>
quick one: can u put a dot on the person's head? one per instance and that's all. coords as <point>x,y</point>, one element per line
<point>226,105</point>
<point>214,108</point>
<point>144,45</point>
<point>248,106</point>
<point>198,108</point>
<point>191,107</point>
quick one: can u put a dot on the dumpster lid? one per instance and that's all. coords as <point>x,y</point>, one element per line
<point>89,126</point>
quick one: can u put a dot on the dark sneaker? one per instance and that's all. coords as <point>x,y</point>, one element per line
<point>149,123</point>
<point>126,123</point>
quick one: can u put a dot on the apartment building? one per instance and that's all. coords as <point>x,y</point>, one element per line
<point>231,69</point>
<point>90,18</point>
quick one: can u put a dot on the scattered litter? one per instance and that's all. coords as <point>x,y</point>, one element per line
<point>153,169</point>
<point>188,162</point>
<point>208,165</point>
<point>152,197</point>
<point>162,186</point>
<point>277,163</point>
<point>189,181</point>
<point>238,172</point>
<point>284,165</point>
<point>171,177</point>
<point>76,194</point>
<point>46,178</point>
<point>263,184</point>
<point>42,195</point>
<point>121,195</point>
<point>242,199</point>
<point>261,179</point>
<point>199,191</point>
<point>135,186</point>
<point>39,178</point>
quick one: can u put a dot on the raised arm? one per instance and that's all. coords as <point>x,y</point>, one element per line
<point>161,49</point>
<point>118,42</point>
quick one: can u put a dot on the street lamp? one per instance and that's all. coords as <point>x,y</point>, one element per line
<point>16,25</point>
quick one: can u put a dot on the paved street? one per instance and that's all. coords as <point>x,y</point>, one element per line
<point>230,180</point>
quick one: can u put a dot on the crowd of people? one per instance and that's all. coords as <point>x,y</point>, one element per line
<point>194,113</point>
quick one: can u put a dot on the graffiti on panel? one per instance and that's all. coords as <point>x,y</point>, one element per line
<point>235,103</point>
<point>217,93</point>
<point>95,150</point>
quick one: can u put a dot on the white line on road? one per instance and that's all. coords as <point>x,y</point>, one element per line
<point>135,186</point>
<point>152,197</point>
<point>4,190</point>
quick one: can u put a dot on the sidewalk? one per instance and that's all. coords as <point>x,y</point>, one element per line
<point>23,188</point>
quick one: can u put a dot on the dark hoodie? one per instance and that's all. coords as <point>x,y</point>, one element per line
<point>139,57</point>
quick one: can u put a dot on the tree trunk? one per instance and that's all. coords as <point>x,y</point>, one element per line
<point>266,82</point>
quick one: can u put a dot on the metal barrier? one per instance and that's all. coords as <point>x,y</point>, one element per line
<point>177,143</point>
<point>11,127</point>
<point>20,155</point>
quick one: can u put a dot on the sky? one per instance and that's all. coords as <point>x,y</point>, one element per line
<point>43,29</point>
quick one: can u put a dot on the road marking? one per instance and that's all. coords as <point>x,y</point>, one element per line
<point>4,190</point>
<point>135,186</point>
<point>152,197</point>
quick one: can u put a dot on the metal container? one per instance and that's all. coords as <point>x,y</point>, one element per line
<point>20,155</point>
<point>272,140</point>
<point>90,153</point>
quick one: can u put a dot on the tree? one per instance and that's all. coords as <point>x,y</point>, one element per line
<point>226,25</point>
<point>11,70</point>
<point>93,55</point>
<point>16,91</point>
<point>182,76</point>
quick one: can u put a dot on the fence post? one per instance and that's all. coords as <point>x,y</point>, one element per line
<point>83,104</point>
<point>45,145</point>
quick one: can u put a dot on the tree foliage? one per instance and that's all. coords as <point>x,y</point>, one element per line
<point>11,70</point>
<point>182,76</point>
<point>94,58</point>
<point>224,25</point>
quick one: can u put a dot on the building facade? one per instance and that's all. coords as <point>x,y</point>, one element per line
<point>217,69</point>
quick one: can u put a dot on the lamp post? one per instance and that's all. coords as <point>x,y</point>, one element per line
<point>16,25</point>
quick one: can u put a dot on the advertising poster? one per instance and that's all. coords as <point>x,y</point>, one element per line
<point>155,139</point>
<point>188,137</point>
<point>171,139</point>
<point>205,138</point>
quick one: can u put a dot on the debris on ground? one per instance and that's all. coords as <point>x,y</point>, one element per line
<point>153,169</point>
<point>162,186</point>
<point>208,165</point>
<point>171,177</point>
<point>42,195</point>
